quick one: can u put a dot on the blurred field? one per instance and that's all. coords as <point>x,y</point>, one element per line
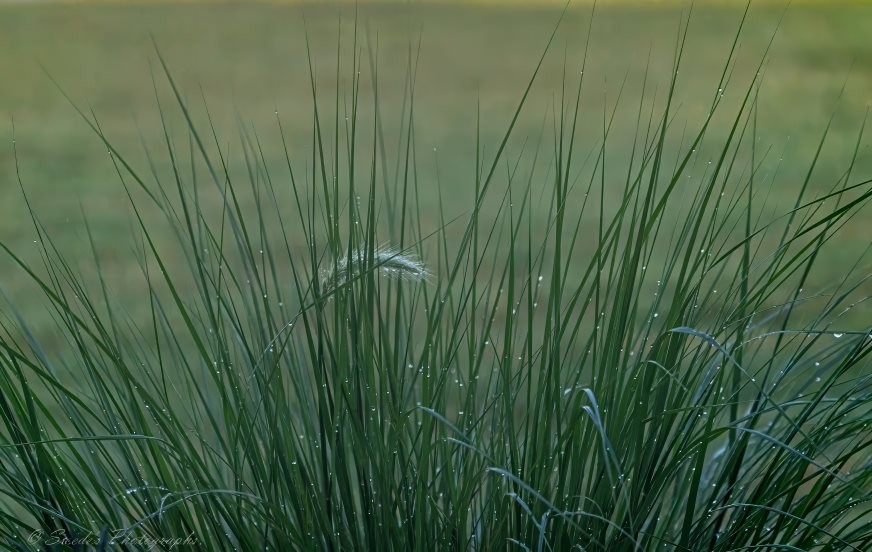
<point>250,62</point>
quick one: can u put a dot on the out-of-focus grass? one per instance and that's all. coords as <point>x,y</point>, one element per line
<point>250,62</point>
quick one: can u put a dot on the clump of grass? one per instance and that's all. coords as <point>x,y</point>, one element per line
<point>663,380</point>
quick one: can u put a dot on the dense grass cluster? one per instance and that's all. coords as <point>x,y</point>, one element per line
<point>324,368</point>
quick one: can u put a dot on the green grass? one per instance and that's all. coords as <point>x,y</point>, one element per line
<point>624,324</point>
<point>249,61</point>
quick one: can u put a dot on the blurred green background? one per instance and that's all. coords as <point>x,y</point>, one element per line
<point>249,59</point>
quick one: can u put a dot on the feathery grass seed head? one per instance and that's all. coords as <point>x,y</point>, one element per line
<point>389,262</point>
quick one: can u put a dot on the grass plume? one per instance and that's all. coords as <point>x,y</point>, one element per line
<point>389,262</point>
